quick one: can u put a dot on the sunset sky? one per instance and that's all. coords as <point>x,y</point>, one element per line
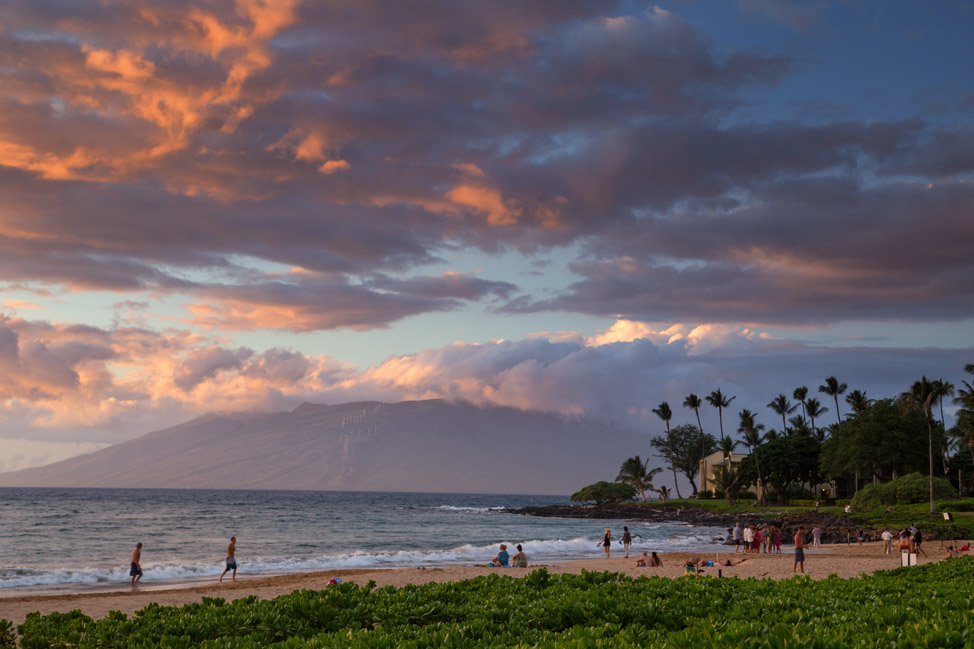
<point>577,207</point>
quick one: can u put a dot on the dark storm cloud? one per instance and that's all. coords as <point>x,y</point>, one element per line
<point>177,147</point>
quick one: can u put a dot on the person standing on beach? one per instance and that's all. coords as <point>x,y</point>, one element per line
<point>607,541</point>
<point>799,551</point>
<point>816,537</point>
<point>917,541</point>
<point>887,542</point>
<point>135,572</point>
<point>231,559</point>
<point>736,535</point>
<point>626,540</point>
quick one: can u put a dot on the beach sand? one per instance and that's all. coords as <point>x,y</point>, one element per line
<point>842,560</point>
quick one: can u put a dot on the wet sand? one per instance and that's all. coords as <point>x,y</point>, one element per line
<point>845,561</point>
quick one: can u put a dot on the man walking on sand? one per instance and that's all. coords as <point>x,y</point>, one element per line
<point>135,572</point>
<point>887,542</point>
<point>736,535</point>
<point>231,560</point>
<point>799,551</point>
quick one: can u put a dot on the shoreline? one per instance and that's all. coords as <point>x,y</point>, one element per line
<point>840,559</point>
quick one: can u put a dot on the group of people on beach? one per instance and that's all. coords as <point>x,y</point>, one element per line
<point>756,539</point>
<point>505,560</point>
<point>135,571</point>
<point>625,542</point>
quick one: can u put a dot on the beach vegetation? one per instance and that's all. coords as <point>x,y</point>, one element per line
<point>684,444</point>
<point>924,606</point>
<point>664,412</point>
<point>788,461</point>
<point>603,492</point>
<point>907,489</point>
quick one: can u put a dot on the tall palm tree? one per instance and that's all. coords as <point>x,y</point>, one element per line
<point>726,481</point>
<point>965,414</point>
<point>858,401</point>
<point>942,390</point>
<point>727,446</point>
<point>797,424</point>
<point>922,394</point>
<point>719,401</point>
<point>637,473</point>
<point>783,407</point>
<point>833,388</point>
<point>663,412</point>
<point>693,402</point>
<point>801,395</point>
<point>752,437</point>
<point>815,409</point>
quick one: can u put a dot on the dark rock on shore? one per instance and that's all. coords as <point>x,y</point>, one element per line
<point>834,529</point>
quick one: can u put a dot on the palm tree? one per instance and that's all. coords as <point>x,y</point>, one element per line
<point>752,437</point>
<point>815,409</point>
<point>783,407</point>
<point>943,389</point>
<point>965,414</point>
<point>858,401</point>
<point>726,481</point>
<point>719,401</point>
<point>833,388</point>
<point>798,425</point>
<point>922,395</point>
<point>663,412</point>
<point>801,395</point>
<point>637,473</point>
<point>664,493</point>
<point>693,402</point>
<point>727,446</point>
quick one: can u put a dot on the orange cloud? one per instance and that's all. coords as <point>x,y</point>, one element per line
<point>486,201</point>
<point>332,166</point>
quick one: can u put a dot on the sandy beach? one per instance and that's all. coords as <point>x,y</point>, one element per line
<point>845,561</point>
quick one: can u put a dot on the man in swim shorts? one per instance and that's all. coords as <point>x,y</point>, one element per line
<point>135,572</point>
<point>799,551</point>
<point>231,560</point>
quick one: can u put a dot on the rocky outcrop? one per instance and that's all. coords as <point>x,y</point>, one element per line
<point>835,529</point>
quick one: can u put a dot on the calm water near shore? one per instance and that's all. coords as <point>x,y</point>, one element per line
<point>79,539</point>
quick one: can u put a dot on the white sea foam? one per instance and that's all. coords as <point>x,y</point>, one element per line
<point>537,550</point>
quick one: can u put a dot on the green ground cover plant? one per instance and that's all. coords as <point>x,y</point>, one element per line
<point>927,606</point>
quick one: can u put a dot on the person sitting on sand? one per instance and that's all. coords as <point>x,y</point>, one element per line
<point>730,563</point>
<point>643,560</point>
<point>502,558</point>
<point>654,561</point>
<point>692,566</point>
<point>950,553</point>
<point>519,560</point>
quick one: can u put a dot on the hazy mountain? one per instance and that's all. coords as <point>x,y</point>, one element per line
<point>411,446</point>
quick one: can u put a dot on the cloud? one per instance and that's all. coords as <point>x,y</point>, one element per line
<point>69,383</point>
<point>172,148</point>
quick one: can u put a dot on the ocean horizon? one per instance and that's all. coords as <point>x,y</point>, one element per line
<point>76,540</point>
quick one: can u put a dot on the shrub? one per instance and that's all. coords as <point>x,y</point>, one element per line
<point>957,506</point>
<point>605,492</point>
<point>706,494</point>
<point>911,488</point>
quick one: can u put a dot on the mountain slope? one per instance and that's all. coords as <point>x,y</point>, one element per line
<point>370,446</point>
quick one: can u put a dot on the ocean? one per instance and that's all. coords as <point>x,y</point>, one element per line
<point>74,540</point>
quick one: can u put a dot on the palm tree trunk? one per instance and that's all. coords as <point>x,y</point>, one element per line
<point>930,453</point>
<point>703,445</point>
<point>943,444</point>
<point>673,464</point>
<point>837,414</point>
<point>720,418</point>
<point>760,481</point>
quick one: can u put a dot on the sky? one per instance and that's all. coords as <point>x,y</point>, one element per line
<point>577,207</point>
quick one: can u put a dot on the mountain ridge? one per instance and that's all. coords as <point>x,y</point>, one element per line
<point>427,445</point>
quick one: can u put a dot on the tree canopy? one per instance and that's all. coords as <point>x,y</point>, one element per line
<point>684,445</point>
<point>784,461</point>
<point>880,440</point>
<point>605,492</point>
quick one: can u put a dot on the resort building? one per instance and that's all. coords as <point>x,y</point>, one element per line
<point>709,464</point>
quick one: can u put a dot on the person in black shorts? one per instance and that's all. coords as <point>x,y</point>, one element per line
<point>917,540</point>
<point>135,572</point>
<point>799,551</point>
